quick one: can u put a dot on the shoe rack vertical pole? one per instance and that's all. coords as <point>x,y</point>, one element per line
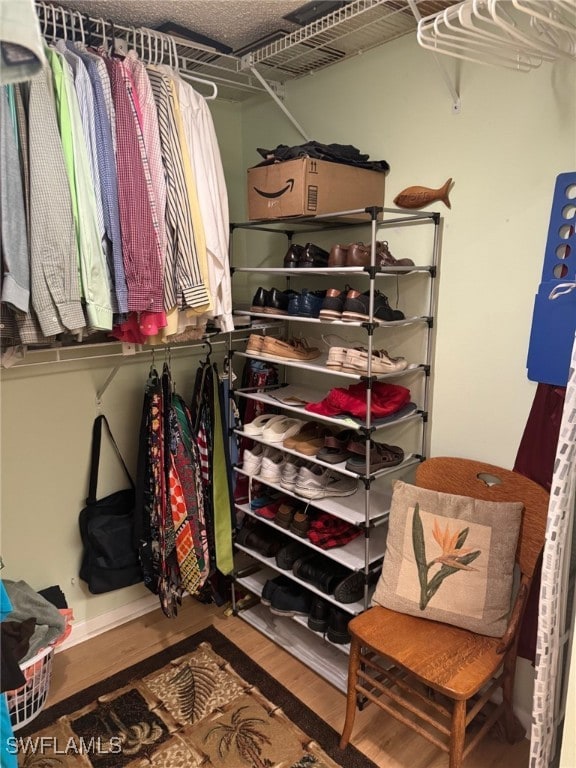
<point>230,357</point>
<point>429,336</point>
<point>368,428</point>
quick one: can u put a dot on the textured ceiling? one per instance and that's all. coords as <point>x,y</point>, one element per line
<point>236,23</point>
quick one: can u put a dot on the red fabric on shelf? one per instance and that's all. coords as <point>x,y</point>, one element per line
<point>386,399</point>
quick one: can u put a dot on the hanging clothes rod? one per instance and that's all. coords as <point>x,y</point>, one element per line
<point>152,351</point>
<point>126,352</point>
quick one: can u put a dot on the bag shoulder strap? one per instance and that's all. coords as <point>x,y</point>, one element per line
<point>95,457</point>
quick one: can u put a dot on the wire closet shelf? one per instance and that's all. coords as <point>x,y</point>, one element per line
<point>349,31</point>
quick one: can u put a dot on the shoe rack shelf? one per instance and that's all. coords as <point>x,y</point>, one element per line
<point>351,555</point>
<point>300,640</point>
<point>357,218</point>
<point>270,563</point>
<point>350,508</point>
<point>328,660</point>
<point>410,459</point>
<point>368,506</point>
<point>317,321</point>
<point>315,396</point>
<point>319,365</point>
<point>333,271</point>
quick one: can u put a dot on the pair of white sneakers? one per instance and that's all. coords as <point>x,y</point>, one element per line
<point>273,428</point>
<point>317,483</point>
<point>309,481</point>
<point>271,465</point>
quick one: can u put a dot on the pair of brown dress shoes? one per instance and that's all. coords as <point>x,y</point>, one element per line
<point>359,255</point>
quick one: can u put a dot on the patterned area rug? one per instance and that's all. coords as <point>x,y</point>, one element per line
<point>201,703</point>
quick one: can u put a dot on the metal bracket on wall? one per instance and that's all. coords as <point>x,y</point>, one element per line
<point>276,98</point>
<point>127,351</point>
<point>456,103</point>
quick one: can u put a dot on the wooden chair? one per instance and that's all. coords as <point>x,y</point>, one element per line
<point>434,677</point>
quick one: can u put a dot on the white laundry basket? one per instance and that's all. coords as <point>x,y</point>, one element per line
<point>25,703</point>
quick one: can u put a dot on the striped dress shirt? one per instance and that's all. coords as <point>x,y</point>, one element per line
<point>184,283</point>
<point>195,212</point>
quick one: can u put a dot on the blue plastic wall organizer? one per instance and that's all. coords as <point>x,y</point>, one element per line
<point>554,316</point>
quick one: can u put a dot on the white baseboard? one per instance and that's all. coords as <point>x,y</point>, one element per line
<point>85,630</point>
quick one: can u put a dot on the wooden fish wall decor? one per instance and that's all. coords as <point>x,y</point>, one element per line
<point>419,197</point>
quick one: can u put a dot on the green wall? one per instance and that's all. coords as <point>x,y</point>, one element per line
<point>514,134</point>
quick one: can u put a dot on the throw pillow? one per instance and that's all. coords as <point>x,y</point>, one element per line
<point>450,558</point>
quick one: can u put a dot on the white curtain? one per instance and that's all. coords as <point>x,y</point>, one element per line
<point>555,616</point>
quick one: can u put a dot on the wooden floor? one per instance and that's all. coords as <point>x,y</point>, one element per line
<point>388,743</point>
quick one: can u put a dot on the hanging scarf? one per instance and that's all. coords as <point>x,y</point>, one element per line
<point>190,534</point>
<point>193,486</point>
<point>221,486</point>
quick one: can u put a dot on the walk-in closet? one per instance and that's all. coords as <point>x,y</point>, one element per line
<point>152,325</point>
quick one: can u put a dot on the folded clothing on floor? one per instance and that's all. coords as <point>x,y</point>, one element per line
<point>26,602</point>
<point>15,642</point>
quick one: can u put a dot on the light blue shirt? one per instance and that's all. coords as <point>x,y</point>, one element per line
<point>107,173</point>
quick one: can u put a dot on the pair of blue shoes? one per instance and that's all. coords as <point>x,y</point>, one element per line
<point>306,304</point>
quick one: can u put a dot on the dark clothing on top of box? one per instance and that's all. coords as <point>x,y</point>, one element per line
<point>334,153</point>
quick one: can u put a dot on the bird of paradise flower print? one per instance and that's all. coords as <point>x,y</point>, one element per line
<point>452,558</point>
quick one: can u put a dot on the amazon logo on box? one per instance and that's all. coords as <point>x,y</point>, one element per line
<point>288,188</point>
<point>307,187</point>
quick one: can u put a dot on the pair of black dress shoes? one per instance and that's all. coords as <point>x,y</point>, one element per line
<point>286,598</point>
<point>307,256</point>
<point>326,618</point>
<point>271,301</point>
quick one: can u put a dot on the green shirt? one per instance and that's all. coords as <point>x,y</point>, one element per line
<point>94,274</point>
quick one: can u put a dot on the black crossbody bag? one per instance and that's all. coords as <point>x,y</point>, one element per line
<point>109,559</point>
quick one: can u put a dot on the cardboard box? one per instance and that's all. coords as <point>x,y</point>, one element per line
<point>309,187</point>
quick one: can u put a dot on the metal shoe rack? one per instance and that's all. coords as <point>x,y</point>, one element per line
<point>413,288</point>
